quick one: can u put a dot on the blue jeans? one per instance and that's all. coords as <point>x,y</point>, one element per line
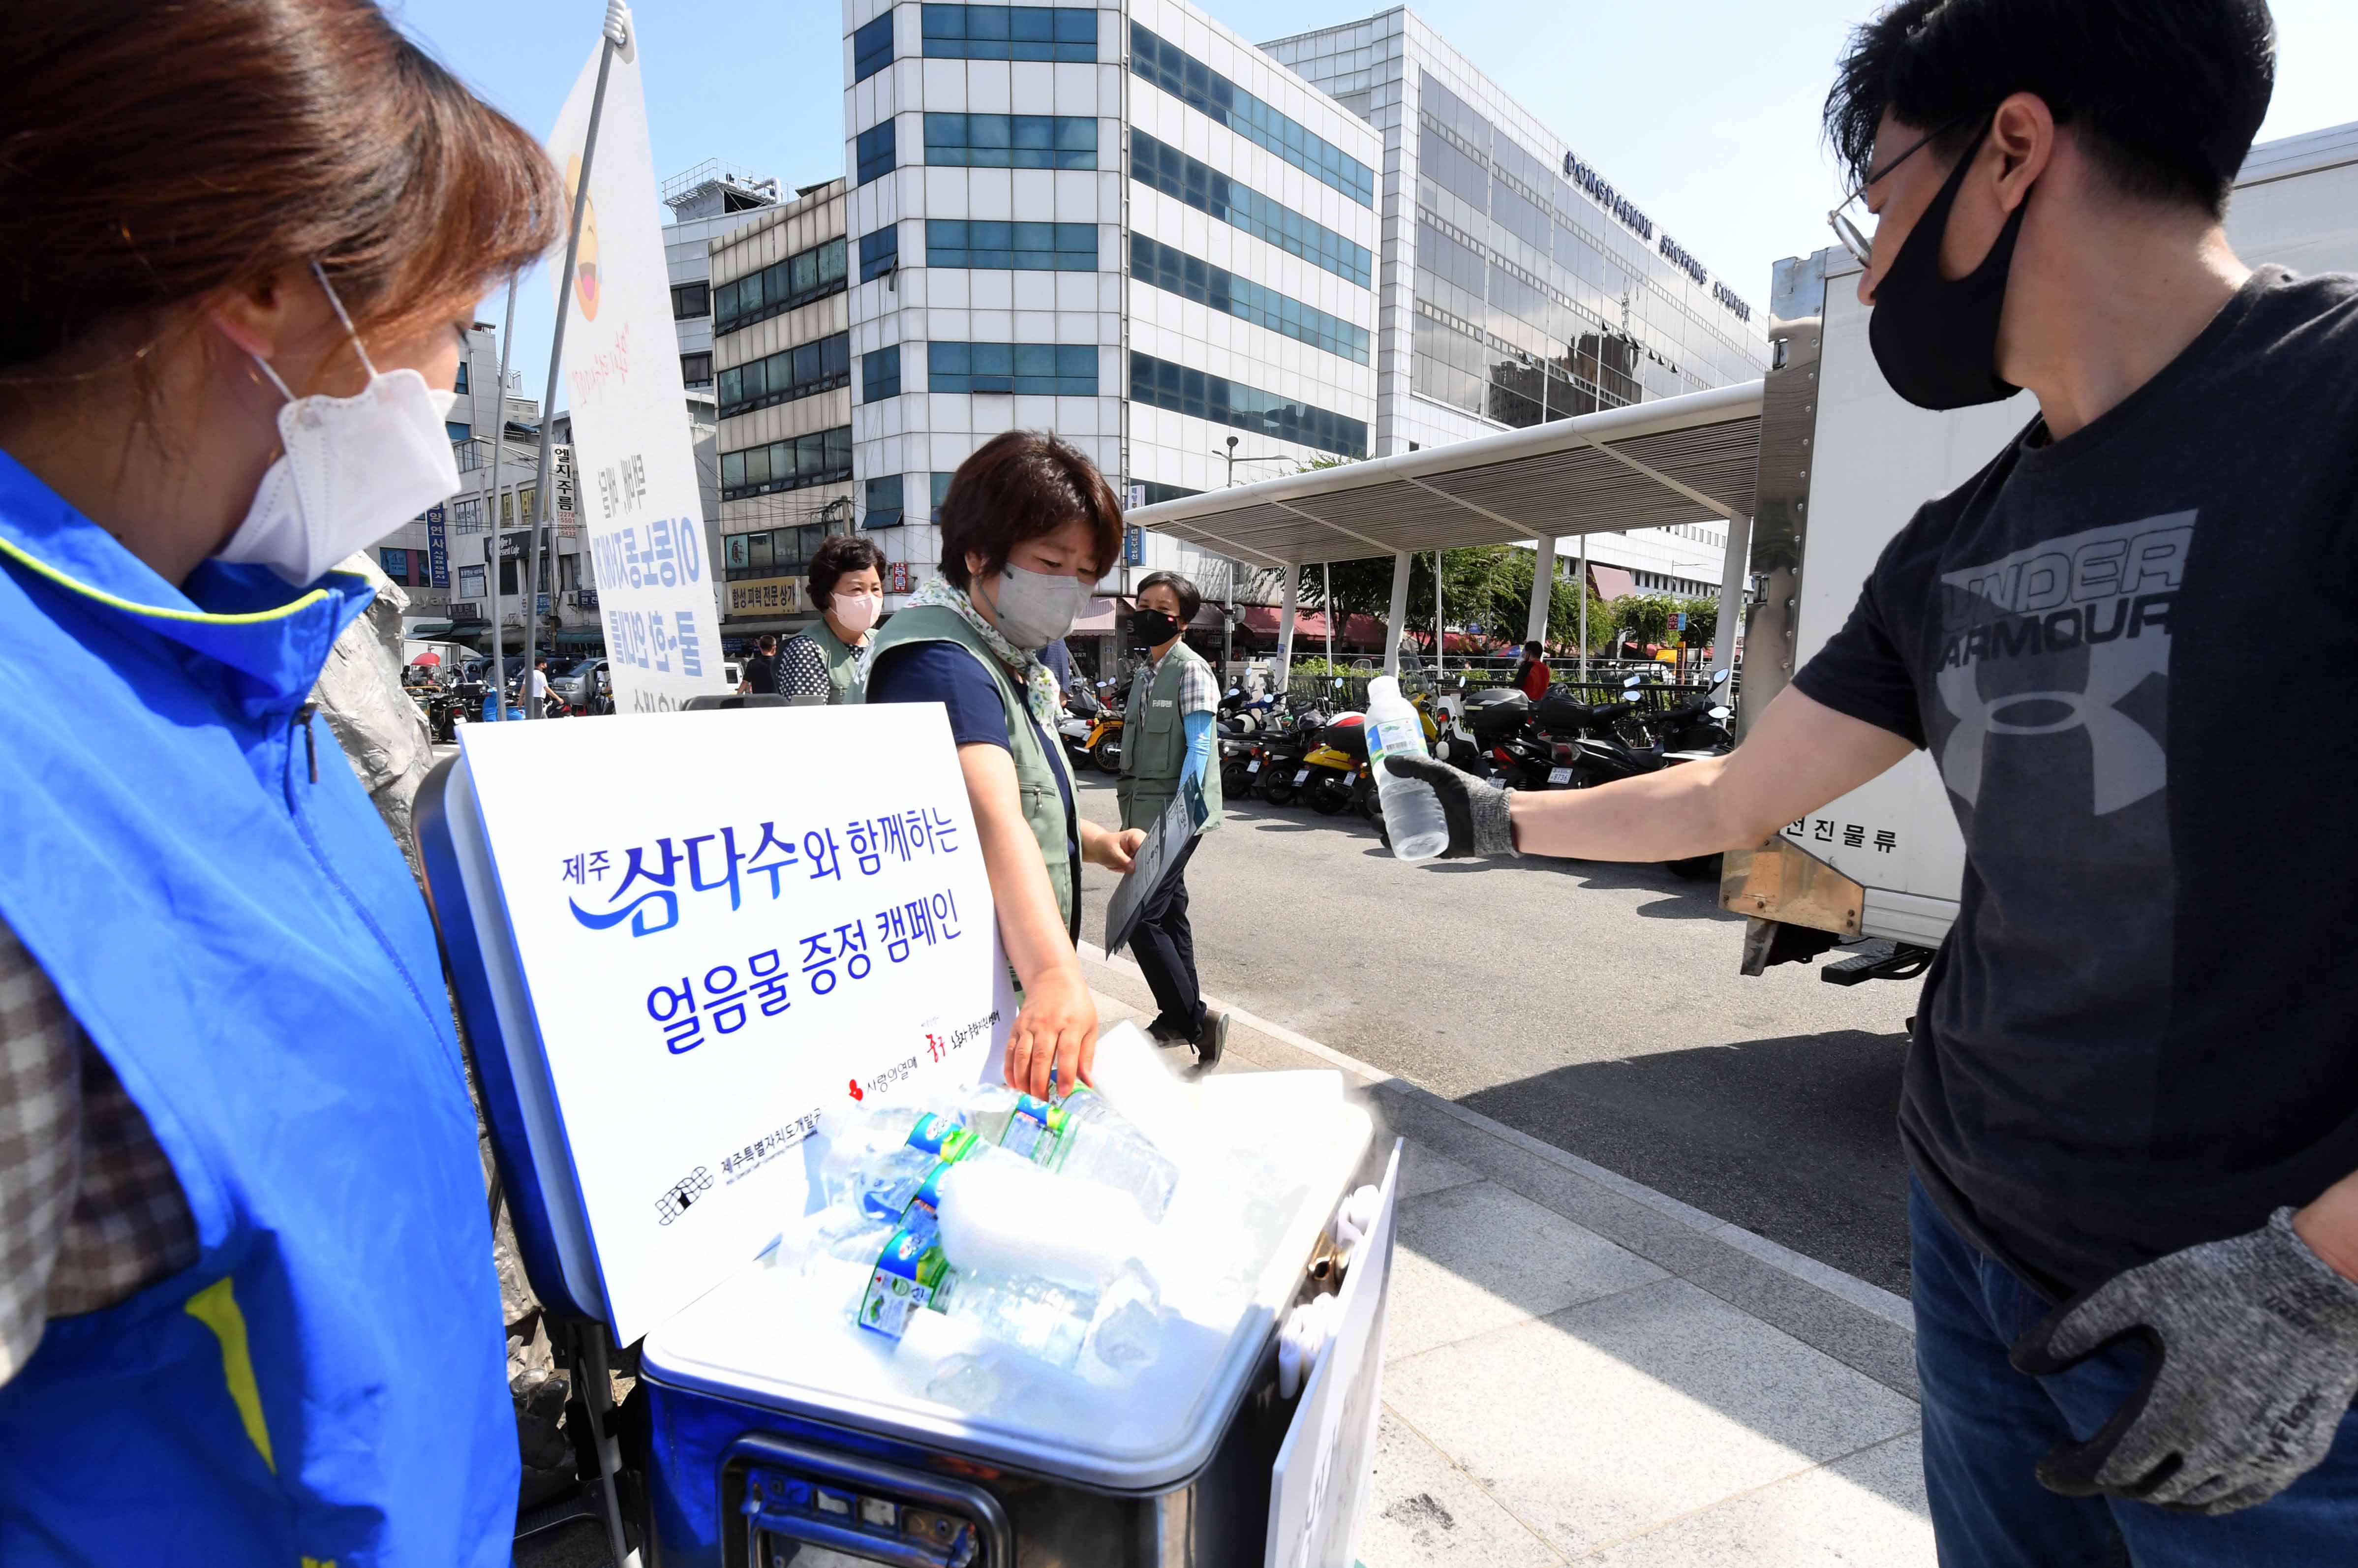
<point>1986,1426</point>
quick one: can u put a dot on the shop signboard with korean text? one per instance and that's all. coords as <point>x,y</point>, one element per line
<point>437,546</point>
<point>765,596</point>
<point>728,945</point>
<point>633,466</point>
<point>561,488</point>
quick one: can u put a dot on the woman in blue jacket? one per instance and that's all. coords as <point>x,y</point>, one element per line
<point>247,1308</point>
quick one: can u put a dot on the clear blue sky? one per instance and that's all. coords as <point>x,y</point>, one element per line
<point>1703,111</point>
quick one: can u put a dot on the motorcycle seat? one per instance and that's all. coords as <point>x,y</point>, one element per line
<point>1564,713</point>
<point>1495,713</point>
<point>1347,734</point>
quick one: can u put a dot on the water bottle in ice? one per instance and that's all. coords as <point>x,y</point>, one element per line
<point>877,1164</point>
<point>1099,1144</point>
<point>1412,813</point>
<point>1120,1324</point>
<point>1078,1136</point>
<point>1038,1317</point>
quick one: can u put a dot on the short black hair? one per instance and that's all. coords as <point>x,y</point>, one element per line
<point>1531,649</point>
<point>767,643</point>
<point>840,553</point>
<point>1190,598</point>
<point>1019,485</point>
<point>2165,97</point>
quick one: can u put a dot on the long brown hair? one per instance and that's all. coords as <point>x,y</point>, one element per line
<point>155,151</point>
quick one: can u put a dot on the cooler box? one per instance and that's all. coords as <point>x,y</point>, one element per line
<point>766,1429</point>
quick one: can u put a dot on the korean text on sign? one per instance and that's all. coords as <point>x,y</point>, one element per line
<point>720,862</point>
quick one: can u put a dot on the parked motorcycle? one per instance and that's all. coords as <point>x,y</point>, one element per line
<point>1697,727</point>
<point>1451,738</point>
<point>1284,753</point>
<point>1512,750</point>
<point>1091,728</point>
<point>1331,771</point>
<point>1077,725</point>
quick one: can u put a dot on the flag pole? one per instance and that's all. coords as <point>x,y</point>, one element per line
<point>542,501</point>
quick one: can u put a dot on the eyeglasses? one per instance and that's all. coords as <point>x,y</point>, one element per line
<point>1848,218</point>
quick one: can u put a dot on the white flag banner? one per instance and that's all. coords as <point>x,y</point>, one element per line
<point>633,453</point>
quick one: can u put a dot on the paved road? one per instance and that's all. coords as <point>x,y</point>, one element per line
<point>1596,1006</point>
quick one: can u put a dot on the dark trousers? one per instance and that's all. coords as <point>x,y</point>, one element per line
<point>1986,1426</point>
<point>1164,947</point>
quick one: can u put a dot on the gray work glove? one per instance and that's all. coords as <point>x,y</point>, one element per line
<point>1477,811</point>
<point>2251,1358</point>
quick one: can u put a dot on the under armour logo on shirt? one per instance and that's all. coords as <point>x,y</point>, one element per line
<point>2091,612</point>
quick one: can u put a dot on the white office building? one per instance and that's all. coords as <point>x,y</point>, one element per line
<point>1122,223</point>
<point>1203,261</point>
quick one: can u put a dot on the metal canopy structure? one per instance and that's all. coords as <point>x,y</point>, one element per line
<point>1681,459</point>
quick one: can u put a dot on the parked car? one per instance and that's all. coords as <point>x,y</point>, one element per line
<point>577,685</point>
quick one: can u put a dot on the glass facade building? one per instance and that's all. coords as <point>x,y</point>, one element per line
<point>1118,220</point>
<point>1519,285</point>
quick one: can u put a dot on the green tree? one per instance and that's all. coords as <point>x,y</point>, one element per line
<point>1703,621</point>
<point>1646,615</point>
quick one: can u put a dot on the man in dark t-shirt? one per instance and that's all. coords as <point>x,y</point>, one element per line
<point>2131,1102</point>
<point>759,673</point>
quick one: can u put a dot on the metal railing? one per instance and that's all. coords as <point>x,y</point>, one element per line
<point>1348,693</point>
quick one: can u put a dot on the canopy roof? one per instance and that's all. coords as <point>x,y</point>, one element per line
<point>1681,459</point>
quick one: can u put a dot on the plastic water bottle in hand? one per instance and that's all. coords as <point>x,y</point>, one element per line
<point>1412,815</point>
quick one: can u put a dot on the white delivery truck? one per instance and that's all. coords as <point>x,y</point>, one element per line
<point>1843,464</point>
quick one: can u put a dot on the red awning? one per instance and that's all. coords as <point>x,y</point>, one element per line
<point>1310,628</point>
<point>426,659</point>
<point>1612,583</point>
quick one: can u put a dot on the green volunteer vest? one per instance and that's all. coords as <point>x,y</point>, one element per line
<point>1154,746</point>
<point>1038,764</point>
<point>842,663</point>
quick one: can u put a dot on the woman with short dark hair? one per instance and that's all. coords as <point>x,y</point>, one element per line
<point>847,583</point>
<point>1027,526</point>
<point>1174,698</point>
<point>244,1256</point>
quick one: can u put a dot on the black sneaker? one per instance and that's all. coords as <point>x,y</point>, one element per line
<point>1211,1040</point>
<point>1167,1032</point>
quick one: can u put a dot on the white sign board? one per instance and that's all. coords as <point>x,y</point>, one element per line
<point>634,452</point>
<point>733,929</point>
<point>1319,1486</point>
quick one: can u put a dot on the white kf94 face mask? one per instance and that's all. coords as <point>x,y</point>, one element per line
<point>354,469</point>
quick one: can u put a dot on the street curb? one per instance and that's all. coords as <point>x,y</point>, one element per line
<point>1872,1300</point>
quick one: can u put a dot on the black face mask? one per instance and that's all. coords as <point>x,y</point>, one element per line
<point>1152,628</point>
<point>1935,338</point>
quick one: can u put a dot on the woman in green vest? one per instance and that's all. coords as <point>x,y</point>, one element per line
<point>1166,743</point>
<point>847,583</point>
<point>1027,525</point>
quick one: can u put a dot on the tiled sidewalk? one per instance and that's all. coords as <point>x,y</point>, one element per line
<point>1579,1369</point>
